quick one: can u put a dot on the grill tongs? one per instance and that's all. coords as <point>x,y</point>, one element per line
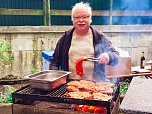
<point>92,59</point>
<point>79,62</point>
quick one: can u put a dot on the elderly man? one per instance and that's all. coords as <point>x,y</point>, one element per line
<point>84,41</point>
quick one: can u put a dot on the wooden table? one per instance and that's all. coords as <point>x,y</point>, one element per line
<point>135,71</point>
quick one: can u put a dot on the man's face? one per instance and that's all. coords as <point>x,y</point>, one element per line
<point>81,19</point>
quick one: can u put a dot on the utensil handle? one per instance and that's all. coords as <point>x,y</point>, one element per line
<point>92,59</point>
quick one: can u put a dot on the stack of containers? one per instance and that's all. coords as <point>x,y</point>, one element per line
<point>47,56</point>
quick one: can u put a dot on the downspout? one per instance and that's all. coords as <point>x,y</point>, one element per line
<point>110,12</point>
<point>46,12</point>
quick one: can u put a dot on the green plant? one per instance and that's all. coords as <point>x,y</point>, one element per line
<point>123,87</point>
<point>6,54</point>
<point>6,94</point>
<point>34,70</point>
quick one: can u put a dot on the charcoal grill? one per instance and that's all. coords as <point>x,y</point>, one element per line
<point>27,95</point>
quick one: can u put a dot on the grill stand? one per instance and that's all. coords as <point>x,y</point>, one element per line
<point>27,96</point>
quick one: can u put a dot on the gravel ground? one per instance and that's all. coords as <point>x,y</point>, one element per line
<point>138,98</point>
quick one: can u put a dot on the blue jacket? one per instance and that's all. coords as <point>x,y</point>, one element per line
<point>100,43</point>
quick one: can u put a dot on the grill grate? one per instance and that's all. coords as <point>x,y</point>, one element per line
<point>30,91</point>
<point>28,95</point>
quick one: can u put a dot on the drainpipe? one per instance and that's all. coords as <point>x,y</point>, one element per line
<point>46,12</point>
<point>110,12</point>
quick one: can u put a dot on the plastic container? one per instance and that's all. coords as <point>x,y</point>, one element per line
<point>47,55</point>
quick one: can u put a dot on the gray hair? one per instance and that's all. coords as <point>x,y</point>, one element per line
<point>81,5</point>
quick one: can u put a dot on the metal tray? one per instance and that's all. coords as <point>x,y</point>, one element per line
<point>48,79</point>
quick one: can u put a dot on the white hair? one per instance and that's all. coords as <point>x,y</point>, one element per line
<point>81,5</point>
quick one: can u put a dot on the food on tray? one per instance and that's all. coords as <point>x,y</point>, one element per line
<point>73,83</point>
<point>89,86</point>
<point>72,88</point>
<point>101,96</point>
<point>79,95</point>
<point>108,90</point>
<point>108,84</point>
<point>84,89</point>
<point>85,84</point>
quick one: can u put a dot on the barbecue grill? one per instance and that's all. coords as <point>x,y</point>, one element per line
<point>27,95</point>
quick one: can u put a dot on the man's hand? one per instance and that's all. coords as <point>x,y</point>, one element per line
<point>104,58</point>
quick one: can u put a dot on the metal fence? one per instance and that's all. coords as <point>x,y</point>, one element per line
<point>57,12</point>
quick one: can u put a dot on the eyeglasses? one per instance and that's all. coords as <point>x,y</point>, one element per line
<point>81,17</point>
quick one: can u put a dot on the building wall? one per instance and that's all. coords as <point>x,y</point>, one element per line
<point>29,41</point>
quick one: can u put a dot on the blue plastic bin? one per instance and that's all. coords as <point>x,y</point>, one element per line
<point>47,55</point>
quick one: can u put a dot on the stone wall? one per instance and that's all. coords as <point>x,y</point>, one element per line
<point>29,41</point>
